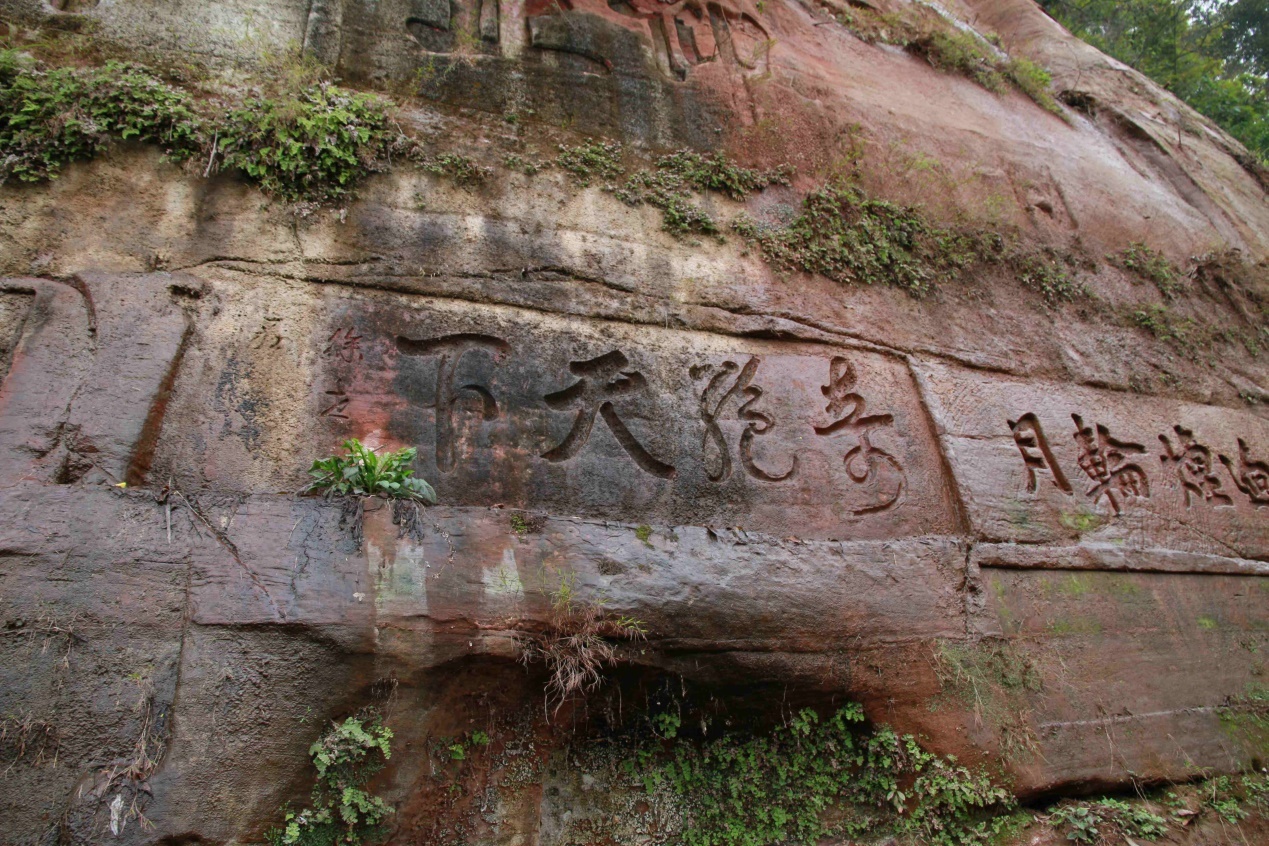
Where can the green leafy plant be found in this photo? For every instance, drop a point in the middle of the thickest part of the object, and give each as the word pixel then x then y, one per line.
pixel 1152 266
pixel 812 777
pixel 1048 273
pixel 49 118
pixel 312 145
pixel 364 472
pixel 850 237
pixel 1164 324
pixel 341 812
pixel 1105 821
pixel 592 160
pixel 669 186
pixel 461 169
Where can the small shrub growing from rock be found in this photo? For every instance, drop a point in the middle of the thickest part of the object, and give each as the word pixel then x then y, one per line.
pixel 592 160
pixel 364 472
pixel 314 145
pixel 341 812
pixel 850 237
pixel 669 186
pixel 1151 266
pixel 50 118
pixel 1105 821
pixel 815 777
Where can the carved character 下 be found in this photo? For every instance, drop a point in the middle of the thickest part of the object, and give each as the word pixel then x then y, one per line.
pixel 713 403
pixel 863 461
pixel 449 351
pixel 600 381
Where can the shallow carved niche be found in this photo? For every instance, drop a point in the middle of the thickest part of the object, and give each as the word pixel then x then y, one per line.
pixel 14 308
pixel 455 26
pixel 688 33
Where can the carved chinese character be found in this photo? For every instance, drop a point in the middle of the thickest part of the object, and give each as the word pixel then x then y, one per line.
pixel 338 401
pixel 267 337
pixel 600 381
pixel 714 400
pixel 1195 468
pixel 1105 460
pixel 1252 477
pixel 344 344
pixel 863 461
pixel 449 351
pixel 1036 453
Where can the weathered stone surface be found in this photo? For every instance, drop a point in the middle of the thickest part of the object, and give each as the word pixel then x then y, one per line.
pixel 808 492
pixel 1038 462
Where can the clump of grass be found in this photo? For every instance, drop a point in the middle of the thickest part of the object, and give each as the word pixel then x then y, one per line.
pixel 579 641
pixel 960 52
pixel 1032 80
pixel 459 168
pixel 644 534
pixel 947 48
pixel 669 186
pixel 1048 273
pixel 849 237
pixel 313 145
pixel 52 117
pixel 1151 266
pixel 592 160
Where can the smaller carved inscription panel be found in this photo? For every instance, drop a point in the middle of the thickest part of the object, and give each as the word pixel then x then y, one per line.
pixel 1043 462
pixel 635 424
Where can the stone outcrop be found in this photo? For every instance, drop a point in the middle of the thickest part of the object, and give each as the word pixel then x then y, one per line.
pixel 804 489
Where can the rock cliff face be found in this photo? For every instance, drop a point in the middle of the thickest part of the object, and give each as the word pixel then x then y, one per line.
pixel 1034 534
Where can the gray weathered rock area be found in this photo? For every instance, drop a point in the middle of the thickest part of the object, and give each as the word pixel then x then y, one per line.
pixel 808 491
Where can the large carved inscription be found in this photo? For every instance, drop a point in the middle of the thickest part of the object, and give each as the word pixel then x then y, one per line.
pixel 635 424
pixel 1043 462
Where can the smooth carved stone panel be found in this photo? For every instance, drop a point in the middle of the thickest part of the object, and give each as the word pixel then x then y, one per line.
pixel 634 424
pixel 1045 462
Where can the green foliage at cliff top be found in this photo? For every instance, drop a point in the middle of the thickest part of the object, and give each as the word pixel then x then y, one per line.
pixel 49 118
pixel 312 142
pixel 1213 55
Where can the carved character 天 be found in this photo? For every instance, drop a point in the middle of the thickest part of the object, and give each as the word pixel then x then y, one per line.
pixel 600 381
pixel 863 462
pixel 1036 453
pixel 1194 468
pixel 1104 459
pixel 722 387
pixel 449 351
pixel 1252 477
